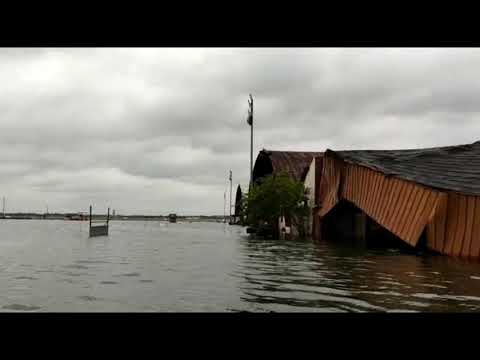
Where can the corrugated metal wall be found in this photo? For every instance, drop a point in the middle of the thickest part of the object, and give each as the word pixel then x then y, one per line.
pixel 329 184
pixel 402 207
pixel 455 228
pixel 451 220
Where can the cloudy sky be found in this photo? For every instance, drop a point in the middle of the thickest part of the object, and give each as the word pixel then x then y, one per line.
pixel 155 131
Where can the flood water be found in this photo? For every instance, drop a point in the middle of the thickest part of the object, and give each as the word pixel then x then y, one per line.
pixel 185 267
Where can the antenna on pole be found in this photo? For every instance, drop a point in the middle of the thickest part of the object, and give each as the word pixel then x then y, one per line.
pixel 230 178
pixel 250 122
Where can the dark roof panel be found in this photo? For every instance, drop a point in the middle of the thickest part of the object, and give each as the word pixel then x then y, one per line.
pixel 454 168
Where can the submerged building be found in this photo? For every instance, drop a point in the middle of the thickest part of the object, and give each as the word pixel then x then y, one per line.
pixel 428 196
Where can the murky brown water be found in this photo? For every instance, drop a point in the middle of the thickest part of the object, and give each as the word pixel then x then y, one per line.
pixel 152 266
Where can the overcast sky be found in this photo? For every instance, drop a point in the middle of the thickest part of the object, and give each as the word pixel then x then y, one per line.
pixel 155 131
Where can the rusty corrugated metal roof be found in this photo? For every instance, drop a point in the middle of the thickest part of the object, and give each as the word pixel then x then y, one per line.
pixel 453 168
pixel 293 163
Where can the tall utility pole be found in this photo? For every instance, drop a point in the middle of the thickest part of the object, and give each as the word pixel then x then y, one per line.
pixel 3 201
pixel 250 122
pixel 230 178
pixel 224 204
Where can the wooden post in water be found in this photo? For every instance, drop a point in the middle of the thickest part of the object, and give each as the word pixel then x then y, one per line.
pixel 108 216
pixel 90 217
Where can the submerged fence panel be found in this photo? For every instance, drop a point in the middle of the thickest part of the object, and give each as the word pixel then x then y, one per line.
pixel 102 228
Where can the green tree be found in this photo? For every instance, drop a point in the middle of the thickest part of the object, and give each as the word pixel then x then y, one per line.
pixel 274 196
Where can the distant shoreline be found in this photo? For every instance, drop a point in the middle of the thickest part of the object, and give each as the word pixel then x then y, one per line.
pixel 65 217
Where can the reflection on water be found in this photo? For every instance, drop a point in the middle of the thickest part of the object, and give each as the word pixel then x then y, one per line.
pixel 152 266
pixel 323 277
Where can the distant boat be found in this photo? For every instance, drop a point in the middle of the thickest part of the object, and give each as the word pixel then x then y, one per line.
pixel 172 218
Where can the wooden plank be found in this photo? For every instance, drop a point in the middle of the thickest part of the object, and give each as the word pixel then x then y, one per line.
pixel 329 188
pixel 375 194
pixel 346 182
pixel 452 219
pixel 402 203
pixel 429 211
pixel 356 187
pixel 441 222
pixel 369 191
pixel 475 245
pixel 468 226
pixel 438 198
pixel 398 206
pixel 415 228
pixel 407 219
pixel 336 182
pixel 460 226
pixel 360 187
pixel 390 217
pixel 387 198
pixel 338 175
pixel 352 182
pixel 432 225
pixel 420 223
pixel 379 199
pixel 364 190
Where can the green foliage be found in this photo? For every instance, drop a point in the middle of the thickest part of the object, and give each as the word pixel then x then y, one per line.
pixel 273 197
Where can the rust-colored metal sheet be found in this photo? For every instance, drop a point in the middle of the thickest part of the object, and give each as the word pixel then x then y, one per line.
pixel 328 187
pixel 468 226
pixel 426 206
pixel 412 196
pixel 440 223
pixel 409 191
pixel 437 225
pixel 452 220
pixel 456 226
pixel 402 207
pixel 460 228
pixel 401 215
pixel 292 163
pixel 475 245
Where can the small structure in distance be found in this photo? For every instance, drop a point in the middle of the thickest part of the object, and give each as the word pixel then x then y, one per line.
pixel 172 218
pixel 99 230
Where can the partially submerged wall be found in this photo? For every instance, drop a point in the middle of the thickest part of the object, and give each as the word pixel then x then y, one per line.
pixel 405 208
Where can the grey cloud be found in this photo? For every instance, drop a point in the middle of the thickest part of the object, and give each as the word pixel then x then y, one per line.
pixel 156 130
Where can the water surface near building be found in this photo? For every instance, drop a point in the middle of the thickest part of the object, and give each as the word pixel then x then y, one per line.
pixel 213 267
